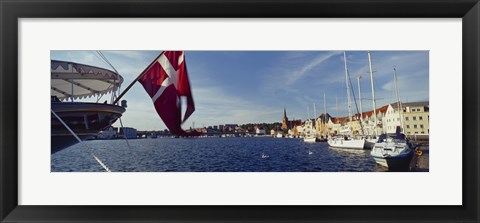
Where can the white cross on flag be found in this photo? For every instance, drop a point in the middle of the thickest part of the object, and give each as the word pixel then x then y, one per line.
pixel 166 80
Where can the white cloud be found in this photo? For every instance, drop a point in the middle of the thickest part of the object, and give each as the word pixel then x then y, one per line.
pixel 292 68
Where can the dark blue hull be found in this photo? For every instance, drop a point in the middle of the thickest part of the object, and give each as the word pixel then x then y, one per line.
pixel 395 163
pixel 86 120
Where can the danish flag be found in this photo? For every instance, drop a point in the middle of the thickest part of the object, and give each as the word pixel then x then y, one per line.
pixel 166 80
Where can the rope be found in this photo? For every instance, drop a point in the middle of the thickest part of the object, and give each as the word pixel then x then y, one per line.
pixel 79 140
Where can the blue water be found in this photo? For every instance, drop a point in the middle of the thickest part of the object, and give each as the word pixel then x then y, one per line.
pixel 211 155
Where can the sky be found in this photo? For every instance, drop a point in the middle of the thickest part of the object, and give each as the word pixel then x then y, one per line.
pixel 239 87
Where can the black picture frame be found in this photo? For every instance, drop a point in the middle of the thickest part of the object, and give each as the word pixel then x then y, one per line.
pixel 11 11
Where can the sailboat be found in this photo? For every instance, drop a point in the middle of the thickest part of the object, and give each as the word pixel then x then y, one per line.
pixel 324 133
pixel 394 151
pixel 309 129
pixel 71 121
pixel 345 139
pixel 310 135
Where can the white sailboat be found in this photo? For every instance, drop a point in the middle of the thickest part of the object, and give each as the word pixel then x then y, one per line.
pixel 345 140
pixel 309 129
pixel 394 151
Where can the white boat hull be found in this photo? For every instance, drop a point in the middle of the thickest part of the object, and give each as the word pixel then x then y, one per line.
pixel 347 144
pixel 394 155
pixel 310 139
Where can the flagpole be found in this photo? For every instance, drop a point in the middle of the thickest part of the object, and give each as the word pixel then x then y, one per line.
pixel 136 79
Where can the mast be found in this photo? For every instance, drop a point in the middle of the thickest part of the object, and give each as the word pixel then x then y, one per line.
pixel 336 105
pixel 373 92
pixel 314 116
pixel 348 86
pixel 308 113
pixel 324 107
pixel 399 103
pixel 360 97
pixel 324 113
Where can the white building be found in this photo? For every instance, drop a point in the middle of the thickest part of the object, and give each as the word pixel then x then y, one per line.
pixel 129 133
pixel 259 131
pixel 414 116
pixel 109 133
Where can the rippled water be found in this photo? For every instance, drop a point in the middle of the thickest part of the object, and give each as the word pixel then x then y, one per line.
pixel 212 155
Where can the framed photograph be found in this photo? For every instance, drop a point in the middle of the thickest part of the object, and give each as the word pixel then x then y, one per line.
pixel 239 111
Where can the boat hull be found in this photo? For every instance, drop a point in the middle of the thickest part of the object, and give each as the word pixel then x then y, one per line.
pixel 369 144
pixel 310 140
pixel 86 120
pixel 395 163
pixel 347 144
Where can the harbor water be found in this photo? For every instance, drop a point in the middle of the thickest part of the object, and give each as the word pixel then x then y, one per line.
pixel 236 154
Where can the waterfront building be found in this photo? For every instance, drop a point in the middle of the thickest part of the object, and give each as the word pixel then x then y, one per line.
pixel 259 131
pixel 415 118
pixel 321 124
pixel 368 121
pixel 230 127
pixel 128 132
pixel 108 133
pixel 334 124
pixel 289 124
pixel 299 130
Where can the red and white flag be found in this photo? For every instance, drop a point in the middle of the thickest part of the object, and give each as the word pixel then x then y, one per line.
pixel 166 80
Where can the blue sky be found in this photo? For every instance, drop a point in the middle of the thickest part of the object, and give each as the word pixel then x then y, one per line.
pixel 254 86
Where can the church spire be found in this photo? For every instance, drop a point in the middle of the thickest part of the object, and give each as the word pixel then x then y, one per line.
pixel 285 119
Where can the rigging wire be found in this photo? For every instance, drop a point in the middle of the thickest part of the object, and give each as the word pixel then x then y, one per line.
pixel 114 95
pixel 129 147
pixel 103 165
pixel 104 58
pixel 355 100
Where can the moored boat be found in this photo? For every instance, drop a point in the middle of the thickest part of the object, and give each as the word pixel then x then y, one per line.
pixel 346 142
pixel 393 151
pixel 310 139
pixel 71 81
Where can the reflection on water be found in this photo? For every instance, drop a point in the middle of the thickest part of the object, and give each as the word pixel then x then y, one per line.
pixel 261 154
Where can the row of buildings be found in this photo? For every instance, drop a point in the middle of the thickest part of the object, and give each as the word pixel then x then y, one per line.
pixel 114 132
pixel 413 119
